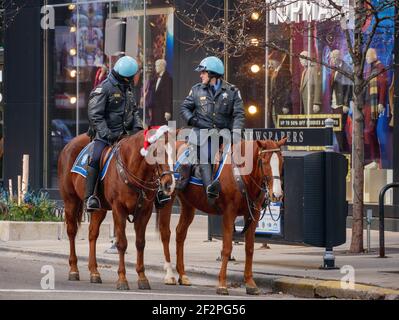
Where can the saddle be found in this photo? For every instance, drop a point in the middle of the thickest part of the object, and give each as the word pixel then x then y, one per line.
pixel 82 160
pixel 187 172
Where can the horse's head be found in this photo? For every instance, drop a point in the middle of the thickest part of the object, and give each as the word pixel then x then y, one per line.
pixel 160 155
pixel 269 165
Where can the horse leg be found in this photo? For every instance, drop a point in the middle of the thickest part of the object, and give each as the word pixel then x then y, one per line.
pixel 97 218
pixel 140 226
pixel 121 244
pixel 250 284
pixel 164 229
pixel 226 251
pixel 73 209
pixel 186 217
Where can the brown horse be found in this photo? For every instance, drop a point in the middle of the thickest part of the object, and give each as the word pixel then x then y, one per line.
pixel 128 188
pixel 266 171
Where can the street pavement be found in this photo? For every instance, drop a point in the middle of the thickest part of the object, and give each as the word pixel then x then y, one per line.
pixel 288 269
pixel 25 276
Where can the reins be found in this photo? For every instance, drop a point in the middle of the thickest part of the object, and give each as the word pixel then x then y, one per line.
pixel 136 184
pixel 263 187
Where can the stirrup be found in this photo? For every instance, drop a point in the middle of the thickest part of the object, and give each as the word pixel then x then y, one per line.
pixel 211 194
pixel 91 209
pixel 161 199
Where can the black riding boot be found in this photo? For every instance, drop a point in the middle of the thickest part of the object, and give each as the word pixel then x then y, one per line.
pixel 92 201
pixel 212 188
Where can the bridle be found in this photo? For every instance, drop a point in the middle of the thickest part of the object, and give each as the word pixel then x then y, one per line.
pixel 133 182
pixel 264 192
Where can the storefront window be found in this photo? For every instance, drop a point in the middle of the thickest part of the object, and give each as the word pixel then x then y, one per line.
pixel 78 60
pixel 300 92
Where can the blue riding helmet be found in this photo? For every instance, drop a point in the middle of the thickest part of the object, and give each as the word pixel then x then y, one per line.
pixel 211 64
pixel 126 67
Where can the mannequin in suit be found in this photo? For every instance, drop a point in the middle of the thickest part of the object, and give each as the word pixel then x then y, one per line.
pixel 310 87
pixel 280 87
pixel 160 94
pixel 375 99
pixel 341 95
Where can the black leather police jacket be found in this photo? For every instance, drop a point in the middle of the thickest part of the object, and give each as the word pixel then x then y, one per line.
pixel 112 109
pixel 224 110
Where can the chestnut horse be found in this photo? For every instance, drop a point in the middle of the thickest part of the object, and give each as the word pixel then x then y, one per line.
pixel 232 202
pixel 129 187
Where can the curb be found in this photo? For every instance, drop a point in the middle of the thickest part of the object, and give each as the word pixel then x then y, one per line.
pixel 298 287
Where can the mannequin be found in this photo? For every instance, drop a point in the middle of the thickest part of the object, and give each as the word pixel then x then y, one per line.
pixel 310 88
pixel 160 94
pixel 341 95
pixel 280 86
pixel 374 105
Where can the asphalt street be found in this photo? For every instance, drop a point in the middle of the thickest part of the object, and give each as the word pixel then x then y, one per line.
pixel 26 277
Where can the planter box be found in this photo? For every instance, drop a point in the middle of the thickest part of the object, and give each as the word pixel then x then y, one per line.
pixel 16 230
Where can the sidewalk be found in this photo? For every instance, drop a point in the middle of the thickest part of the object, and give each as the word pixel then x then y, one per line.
pixel 289 269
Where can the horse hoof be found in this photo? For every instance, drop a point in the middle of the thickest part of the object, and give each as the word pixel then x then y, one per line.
pixel 144 284
pixel 253 291
pixel 95 278
pixel 122 286
pixel 170 281
pixel 222 291
pixel 73 276
pixel 184 281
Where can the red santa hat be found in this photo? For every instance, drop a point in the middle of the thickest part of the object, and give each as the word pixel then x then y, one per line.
pixel 150 137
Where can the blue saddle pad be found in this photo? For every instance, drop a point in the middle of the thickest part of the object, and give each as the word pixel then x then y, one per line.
pixel 80 164
pixel 194 180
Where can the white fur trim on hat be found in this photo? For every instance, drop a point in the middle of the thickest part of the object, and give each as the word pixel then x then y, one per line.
pixel 159 133
pixel 143 152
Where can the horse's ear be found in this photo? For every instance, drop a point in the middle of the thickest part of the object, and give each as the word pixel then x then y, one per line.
pixel 282 142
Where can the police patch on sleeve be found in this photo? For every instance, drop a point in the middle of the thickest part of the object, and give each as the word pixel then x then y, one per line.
pixel 98 90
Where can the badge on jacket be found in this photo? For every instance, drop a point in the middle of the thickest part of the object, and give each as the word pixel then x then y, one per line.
pixel 98 90
pixel 224 95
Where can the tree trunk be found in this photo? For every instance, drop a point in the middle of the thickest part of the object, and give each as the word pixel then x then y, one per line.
pixel 358 171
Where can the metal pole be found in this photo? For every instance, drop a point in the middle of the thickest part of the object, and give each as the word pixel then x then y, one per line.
pixel 329 125
pixel 144 59
pixel 381 216
pixel 77 69
pixel 266 65
pixel 369 218
pixel 226 55
pixel 329 258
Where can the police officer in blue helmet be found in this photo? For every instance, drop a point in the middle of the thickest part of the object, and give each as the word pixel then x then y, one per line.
pixel 112 113
pixel 213 104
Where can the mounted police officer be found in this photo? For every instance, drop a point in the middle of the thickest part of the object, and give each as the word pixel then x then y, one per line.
pixel 213 104
pixel 112 112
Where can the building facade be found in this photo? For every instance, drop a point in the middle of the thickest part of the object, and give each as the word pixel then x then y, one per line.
pixel 57 51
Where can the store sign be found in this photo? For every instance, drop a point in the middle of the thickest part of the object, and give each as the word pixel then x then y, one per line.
pixel 308 121
pixel 270 222
pixel 295 137
pixel 305 10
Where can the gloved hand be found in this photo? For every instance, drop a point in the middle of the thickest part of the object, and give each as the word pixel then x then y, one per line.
pixel 345 109
pixel 381 108
pixel 112 137
pixel 193 121
pixel 286 110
